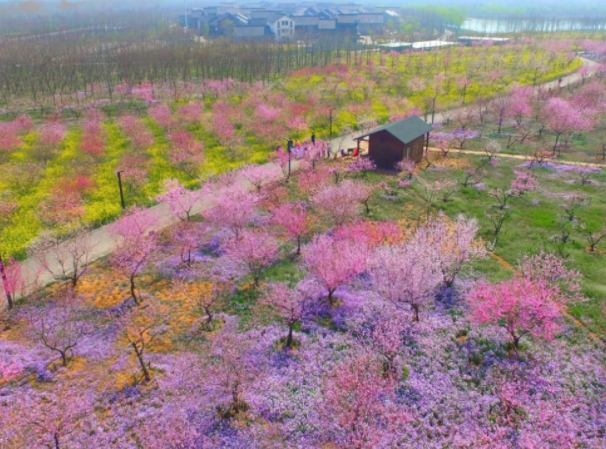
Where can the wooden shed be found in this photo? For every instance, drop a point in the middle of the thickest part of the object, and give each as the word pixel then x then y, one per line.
pixel 396 141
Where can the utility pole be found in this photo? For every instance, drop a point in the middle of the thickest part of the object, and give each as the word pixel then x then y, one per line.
pixel 121 192
pixel 289 147
pixel 330 126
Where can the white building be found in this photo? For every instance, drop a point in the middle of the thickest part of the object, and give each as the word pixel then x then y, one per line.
pixel 282 26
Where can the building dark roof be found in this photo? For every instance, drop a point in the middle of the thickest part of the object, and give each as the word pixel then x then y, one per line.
pixel 405 130
pixel 274 18
pixel 257 22
pixel 249 31
pixel 326 24
pixel 305 20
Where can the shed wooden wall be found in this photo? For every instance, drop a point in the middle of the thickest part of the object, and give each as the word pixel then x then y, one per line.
pixel 417 148
pixel 386 151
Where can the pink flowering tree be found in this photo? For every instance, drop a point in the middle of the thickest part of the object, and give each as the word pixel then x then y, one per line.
pixel 162 115
pixel 63 208
pixel 453 243
pixel 339 203
pixel 185 152
pixel 136 131
pixel 462 83
pixel 585 174
pixel 92 140
pixel 551 269
pixel 187 235
pixel 370 233
pixel 12 282
pixel 231 377
pixel 136 243
pixel 385 339
pixel 502 196
pixel 406 274
pixel 254 249
pixel 311 181
pixel 523 182
pixel 334 262
pixel 233 207
pixel 572 203
pixel 563 118
pixel 361 165
pixel 283 160
pixel 54 418
pixel 190 113
pixel 359 405
pixel 520 107
pixel 51 133
pixel 294 219
pixel 207 301
pixel 315 152
pixel 259 175
pixel 224 127
pixel 180 200
pixel 522 306
pixel 290 304
pixel 9 136
pixel 407 166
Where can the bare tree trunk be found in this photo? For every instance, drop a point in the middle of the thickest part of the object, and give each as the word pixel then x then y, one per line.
pixel 415 310
pixel 139 354
pixel 288 343
pixel 330 296
pixel 133 291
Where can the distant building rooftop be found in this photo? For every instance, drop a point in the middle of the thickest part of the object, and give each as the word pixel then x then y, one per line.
pixel 484 39
pixel 396 45
pixel 405 130
pixel 431 44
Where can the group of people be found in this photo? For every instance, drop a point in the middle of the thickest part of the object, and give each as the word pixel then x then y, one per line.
pixel 298 149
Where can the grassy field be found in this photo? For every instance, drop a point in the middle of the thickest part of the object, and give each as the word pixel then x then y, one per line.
pixel 535 220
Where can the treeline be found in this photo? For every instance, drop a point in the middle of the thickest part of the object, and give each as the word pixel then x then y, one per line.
pixel 52 69
pixel 428 21
pixel 31 18
pixel 538 24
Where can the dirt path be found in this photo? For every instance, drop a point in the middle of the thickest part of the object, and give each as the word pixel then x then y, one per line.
pixel 521 157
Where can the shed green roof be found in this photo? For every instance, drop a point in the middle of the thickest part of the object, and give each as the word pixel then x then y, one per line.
pixel 405 130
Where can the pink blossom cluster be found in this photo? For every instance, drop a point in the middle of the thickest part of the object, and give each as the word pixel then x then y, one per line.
pixel 136 131
pixel 10 132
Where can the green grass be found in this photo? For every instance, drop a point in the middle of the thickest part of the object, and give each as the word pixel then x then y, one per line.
pixel 535 219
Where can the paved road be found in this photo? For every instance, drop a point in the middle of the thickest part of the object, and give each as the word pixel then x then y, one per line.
pixel 35 277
